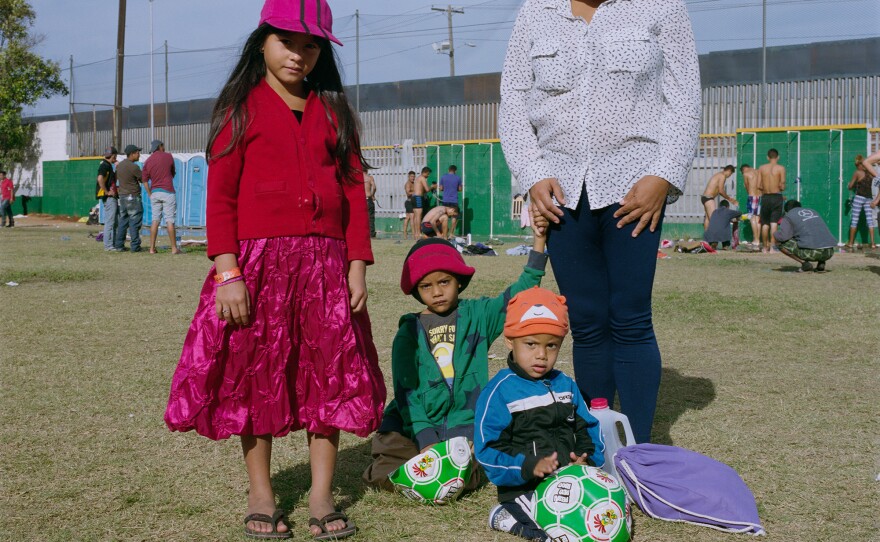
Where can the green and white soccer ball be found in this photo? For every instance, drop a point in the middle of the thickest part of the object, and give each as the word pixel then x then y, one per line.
pixel 438 475
pixel 581 503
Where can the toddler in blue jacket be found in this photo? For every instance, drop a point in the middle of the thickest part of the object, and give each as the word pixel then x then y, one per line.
pixel 531 419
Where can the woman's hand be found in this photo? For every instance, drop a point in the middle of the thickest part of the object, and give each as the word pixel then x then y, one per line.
pixel 233 303
pixel 541 199
pixel 644 202
pixel 357 285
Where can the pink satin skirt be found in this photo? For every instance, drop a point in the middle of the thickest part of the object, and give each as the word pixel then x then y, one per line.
pixel 304 362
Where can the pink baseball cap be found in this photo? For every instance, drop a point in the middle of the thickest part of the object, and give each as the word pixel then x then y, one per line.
pixel 303 16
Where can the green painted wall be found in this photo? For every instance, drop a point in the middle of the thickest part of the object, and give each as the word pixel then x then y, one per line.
pixel 35 205
pixel 69 187
pixel 488 193
pixel 820 178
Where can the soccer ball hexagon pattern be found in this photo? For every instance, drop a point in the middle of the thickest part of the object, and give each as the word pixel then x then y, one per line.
pixel 581 503
pixel 438 475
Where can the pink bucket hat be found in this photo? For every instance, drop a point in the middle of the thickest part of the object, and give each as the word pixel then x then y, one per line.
pixel 303 16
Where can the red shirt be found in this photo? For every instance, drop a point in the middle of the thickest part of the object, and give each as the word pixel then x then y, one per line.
pixel 7 190
pixel 159 170
pixel 283 180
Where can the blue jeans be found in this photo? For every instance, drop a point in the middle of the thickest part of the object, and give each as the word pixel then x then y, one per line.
pixel 607 277
pixel 6 212
pixel 131 213
pixel 111 212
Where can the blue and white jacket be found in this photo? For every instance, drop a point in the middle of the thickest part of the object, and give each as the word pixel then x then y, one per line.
pixel 520 420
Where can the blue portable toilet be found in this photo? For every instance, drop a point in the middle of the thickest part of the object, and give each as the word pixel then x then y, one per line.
pixel 196 191
pixel 179 183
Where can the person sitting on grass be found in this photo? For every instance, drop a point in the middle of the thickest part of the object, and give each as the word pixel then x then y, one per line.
pixel 804 237
pixel 435 220
pixel 439 358
pixel 532 418
pixel 719 230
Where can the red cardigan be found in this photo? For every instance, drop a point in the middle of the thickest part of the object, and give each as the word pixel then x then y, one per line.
pixel 283 180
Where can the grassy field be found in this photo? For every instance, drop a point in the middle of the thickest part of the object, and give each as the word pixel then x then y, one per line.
pixel 772 372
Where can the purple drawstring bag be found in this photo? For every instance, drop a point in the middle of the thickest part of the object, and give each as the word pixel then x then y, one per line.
pixel 674 484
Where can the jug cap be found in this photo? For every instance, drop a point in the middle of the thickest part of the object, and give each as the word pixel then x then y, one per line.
pixel 598 403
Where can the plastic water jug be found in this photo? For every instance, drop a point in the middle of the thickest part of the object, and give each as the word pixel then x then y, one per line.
pixel 608 420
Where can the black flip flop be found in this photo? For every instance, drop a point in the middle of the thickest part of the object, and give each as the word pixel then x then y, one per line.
pixel 276 517
pixel 345 532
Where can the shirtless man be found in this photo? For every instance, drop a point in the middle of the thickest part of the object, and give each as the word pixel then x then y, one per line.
pixel 436 220
pixel 408 222
pixel 871 164
pixel 419 191
pixel 714 187
pixel 771 183
pixel 370 188
pixel 753 207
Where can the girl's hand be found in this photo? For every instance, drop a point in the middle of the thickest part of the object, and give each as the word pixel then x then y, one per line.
pixel 233 303
pixel 546 466
pixel 357 285
pixel 541 197
pixel 644 202
pixel 575 460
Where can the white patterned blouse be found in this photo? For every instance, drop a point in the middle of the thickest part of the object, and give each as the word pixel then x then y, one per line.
pixel 603 103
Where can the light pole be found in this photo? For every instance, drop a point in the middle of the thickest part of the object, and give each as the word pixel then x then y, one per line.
pixel 764 64
pixel 152 103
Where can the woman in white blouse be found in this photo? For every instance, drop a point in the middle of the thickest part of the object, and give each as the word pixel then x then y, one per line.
pixel 599 121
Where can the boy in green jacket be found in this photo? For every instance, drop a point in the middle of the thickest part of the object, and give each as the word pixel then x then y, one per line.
pixel 439 359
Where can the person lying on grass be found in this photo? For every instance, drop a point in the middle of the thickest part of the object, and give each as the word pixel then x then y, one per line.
pixel 439 358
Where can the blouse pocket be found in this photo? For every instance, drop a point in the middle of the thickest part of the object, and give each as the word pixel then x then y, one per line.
pixel 553 74
pixel 630 50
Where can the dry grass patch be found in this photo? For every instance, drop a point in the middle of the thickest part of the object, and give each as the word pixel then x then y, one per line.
pixel 773 372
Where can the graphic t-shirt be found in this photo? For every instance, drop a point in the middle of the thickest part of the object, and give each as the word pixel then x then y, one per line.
pixel 441 341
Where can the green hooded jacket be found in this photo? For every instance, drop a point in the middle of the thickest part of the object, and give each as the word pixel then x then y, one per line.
pixel 424 408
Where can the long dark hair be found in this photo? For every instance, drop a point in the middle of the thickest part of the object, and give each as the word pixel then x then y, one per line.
pixel 324 80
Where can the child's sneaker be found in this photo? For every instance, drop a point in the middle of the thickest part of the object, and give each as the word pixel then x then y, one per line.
pixel 820 267
pixel 500 519
pixel 806 267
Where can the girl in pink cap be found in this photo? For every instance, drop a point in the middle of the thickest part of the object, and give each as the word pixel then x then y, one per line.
pixel 281 339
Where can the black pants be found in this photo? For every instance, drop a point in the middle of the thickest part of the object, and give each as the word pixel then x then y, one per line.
pixel 371 212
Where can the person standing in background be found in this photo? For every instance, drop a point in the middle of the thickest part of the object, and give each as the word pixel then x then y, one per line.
pixel 771 182
pixel 450 186
pixel 753 206
pixel 408 222
pixel 7 198
pixel 159 175
pixel 131 206
pixel 106 193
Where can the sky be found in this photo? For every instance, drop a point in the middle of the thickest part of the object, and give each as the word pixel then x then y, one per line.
pixel 205 36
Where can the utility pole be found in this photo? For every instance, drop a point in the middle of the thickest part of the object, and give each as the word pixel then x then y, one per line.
pixel 120 64
pixel 357 54
pixel 166 96
pixel 449 12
